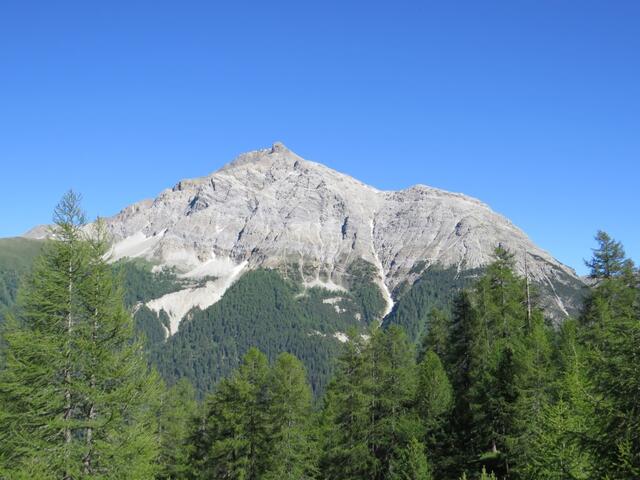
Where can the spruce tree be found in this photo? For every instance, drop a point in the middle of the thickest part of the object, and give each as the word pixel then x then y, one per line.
pixel 462 363
pixel 76 397
pixel 498 353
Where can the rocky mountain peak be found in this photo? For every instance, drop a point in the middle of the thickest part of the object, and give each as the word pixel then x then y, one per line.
pixel 278 147
pixel 277 154
pixel 270 208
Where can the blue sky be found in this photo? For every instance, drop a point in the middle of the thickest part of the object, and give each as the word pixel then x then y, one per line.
pixel 531 106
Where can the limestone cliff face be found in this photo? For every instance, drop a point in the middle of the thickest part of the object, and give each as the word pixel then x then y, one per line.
pixel 271 208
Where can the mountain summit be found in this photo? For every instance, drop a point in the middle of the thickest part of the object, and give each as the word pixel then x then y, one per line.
pixel 270 208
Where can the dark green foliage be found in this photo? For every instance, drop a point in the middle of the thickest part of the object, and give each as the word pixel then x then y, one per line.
pixel 437 336
pixel 369 407
pixel 435 289
pixel 433 404
pixel 141 284
pixel 177 406
pixel 611 327
pixel 16 259
pixel 493 388
pixel 392 362
pixel 498 356
pixel 234 433
pixel 150 324
pixel 257 423
pixel 434 395
pixel 554 447
pixel 339 311
pixel 608 259
pixel 365 291
pixel 263 310
pixel 346 452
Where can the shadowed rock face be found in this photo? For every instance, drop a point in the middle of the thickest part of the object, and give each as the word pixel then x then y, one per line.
pixel 271 208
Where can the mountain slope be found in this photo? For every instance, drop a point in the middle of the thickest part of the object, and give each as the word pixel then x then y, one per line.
pixel 272 209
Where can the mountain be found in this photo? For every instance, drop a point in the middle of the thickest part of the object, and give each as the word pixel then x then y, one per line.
pixel 285 254
pixel 272 209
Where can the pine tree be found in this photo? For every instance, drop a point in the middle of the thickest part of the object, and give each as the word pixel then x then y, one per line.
pixel 292 454
pixel 534 384
pixel 410 463
pixel 177 410
pixel 76 396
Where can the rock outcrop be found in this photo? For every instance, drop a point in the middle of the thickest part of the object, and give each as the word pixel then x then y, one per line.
pixel 270 208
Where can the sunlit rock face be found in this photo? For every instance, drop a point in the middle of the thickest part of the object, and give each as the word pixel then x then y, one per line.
pixel 271 208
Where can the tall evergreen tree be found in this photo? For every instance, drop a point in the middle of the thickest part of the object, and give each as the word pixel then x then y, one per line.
pixel 433 404
pixel 437 336
pixel 392 359
pixel 292 453
pixel 499 349
pixel 233 440
pixel 608 258
pixel 347 413
pixel 410 463
pixel 76 396
pixel 462 362
pixel 177 410
pixel 611 328
pixel 555 444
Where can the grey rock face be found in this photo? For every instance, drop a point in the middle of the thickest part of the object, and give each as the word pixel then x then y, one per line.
pixel 270 208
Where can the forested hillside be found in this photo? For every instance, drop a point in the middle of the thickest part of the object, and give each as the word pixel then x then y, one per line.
pixel 16 258
pixel 275 315
pixel 492 390
pixel 483 387
pixel 268 309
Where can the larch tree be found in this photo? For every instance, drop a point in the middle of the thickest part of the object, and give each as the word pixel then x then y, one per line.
pixel 178 410
pixel 611 329
pixel 346 452
pixel 233 440
pixel 410 463
pixel 289 416
pixel 76 396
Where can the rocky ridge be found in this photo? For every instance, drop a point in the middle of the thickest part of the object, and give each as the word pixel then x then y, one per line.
pixel 271 208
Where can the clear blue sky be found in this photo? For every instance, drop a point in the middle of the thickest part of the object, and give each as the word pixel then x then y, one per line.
pixel 531 106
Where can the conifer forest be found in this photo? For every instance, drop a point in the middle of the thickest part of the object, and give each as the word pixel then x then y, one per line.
pixel 482 385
